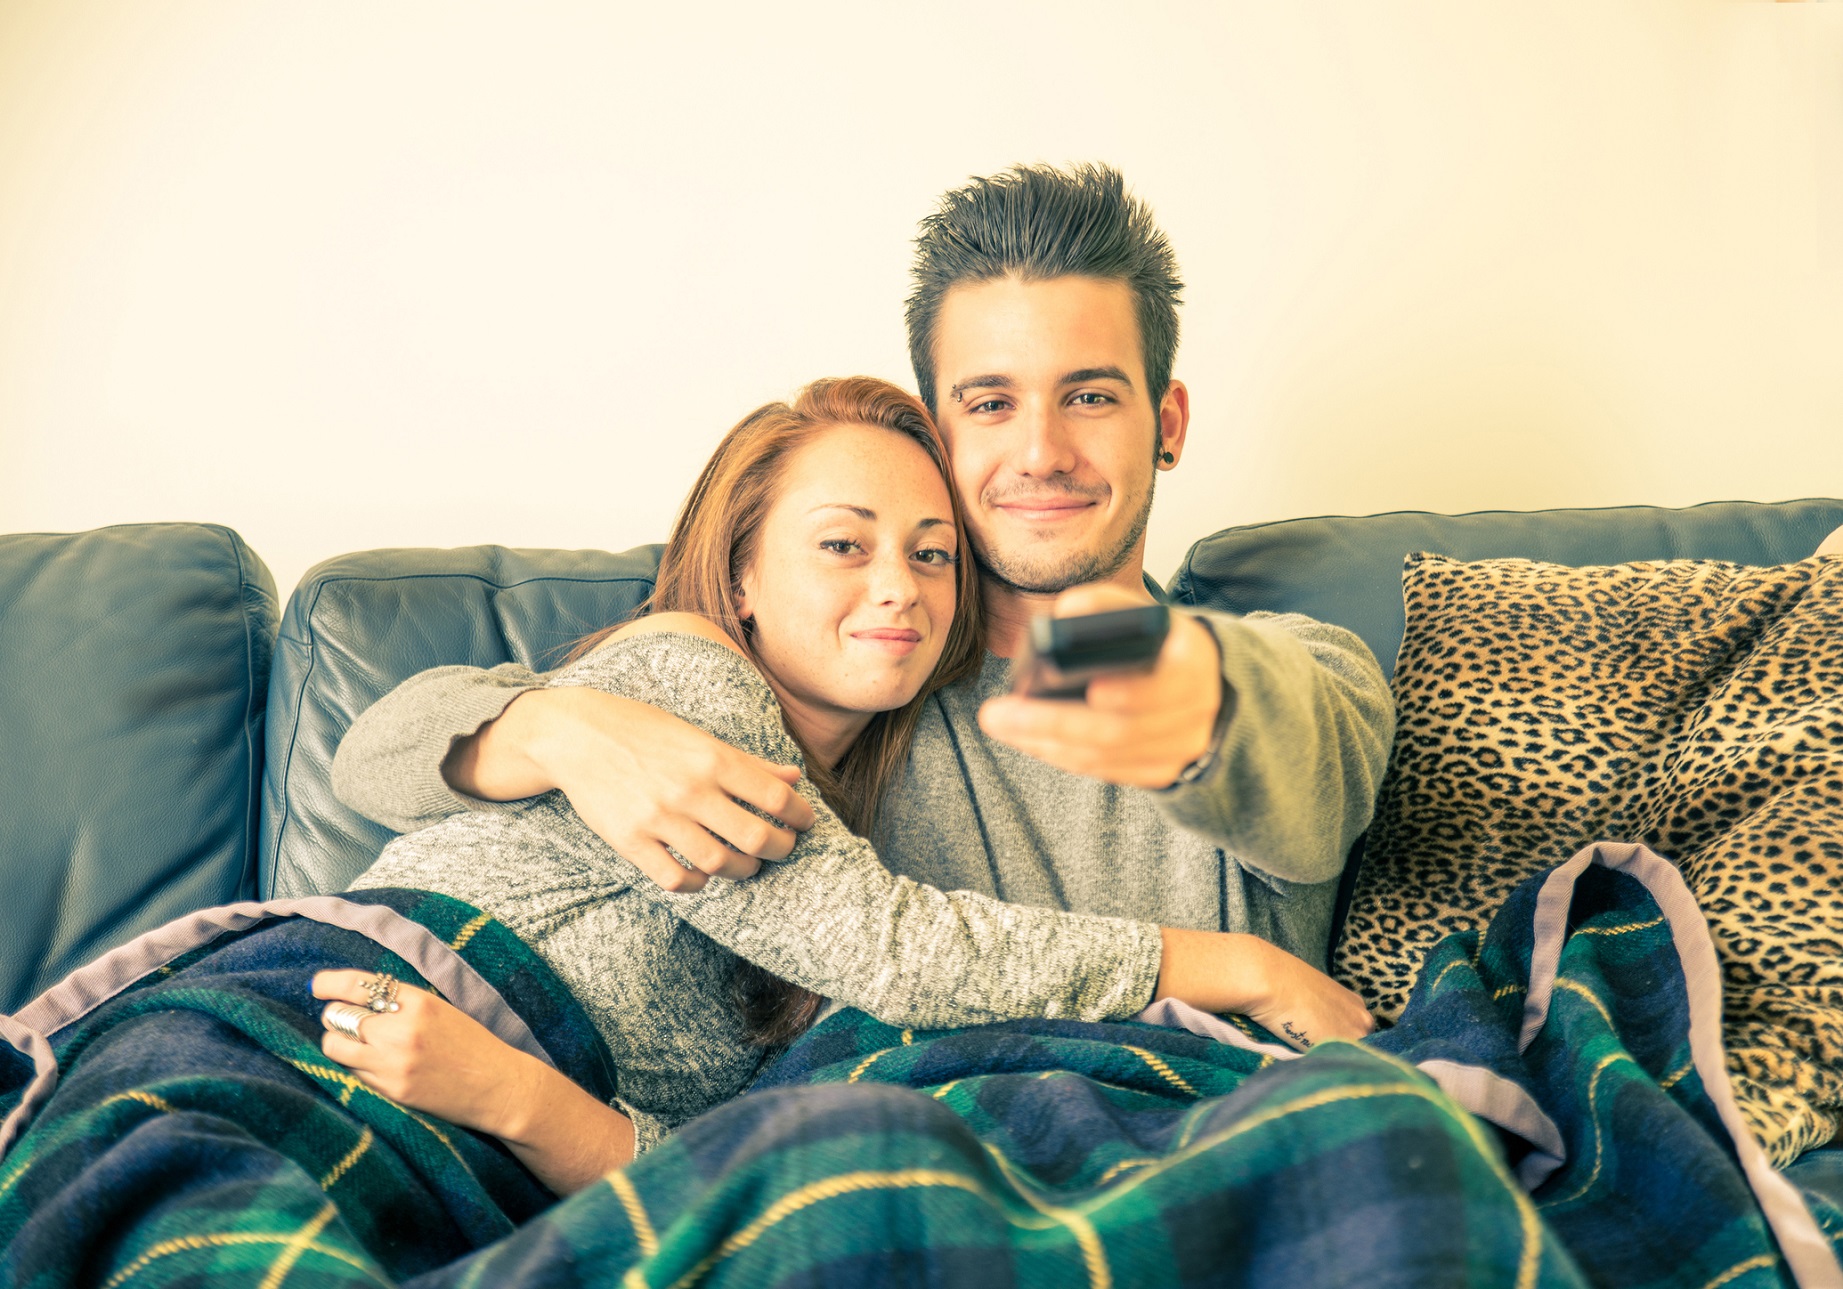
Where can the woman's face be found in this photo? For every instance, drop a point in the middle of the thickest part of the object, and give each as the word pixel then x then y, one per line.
pixel 852 589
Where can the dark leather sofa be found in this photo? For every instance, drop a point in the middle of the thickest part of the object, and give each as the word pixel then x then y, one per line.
pixel 166 733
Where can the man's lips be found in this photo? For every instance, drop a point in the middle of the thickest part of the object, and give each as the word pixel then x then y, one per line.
pixel 1044 509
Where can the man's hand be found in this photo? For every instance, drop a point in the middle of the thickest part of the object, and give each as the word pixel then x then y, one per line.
pixel 1140 730
pixel 641 778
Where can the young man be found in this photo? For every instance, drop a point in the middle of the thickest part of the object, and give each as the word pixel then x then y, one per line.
pixel 1219 791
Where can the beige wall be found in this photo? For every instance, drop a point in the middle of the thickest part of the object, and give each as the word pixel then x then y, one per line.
pixel 345 275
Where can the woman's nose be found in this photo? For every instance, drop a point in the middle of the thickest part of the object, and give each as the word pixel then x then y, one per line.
pixel 892 581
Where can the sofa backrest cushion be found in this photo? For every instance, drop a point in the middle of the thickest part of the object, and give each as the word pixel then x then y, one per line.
pixel 132 705
pixel 359 625
pixel 1348 570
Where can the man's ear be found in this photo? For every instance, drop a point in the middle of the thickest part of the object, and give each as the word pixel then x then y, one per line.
pixel 1173 425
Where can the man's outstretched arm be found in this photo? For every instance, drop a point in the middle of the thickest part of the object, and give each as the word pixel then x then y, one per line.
pixel 1268 734
pixel 462 738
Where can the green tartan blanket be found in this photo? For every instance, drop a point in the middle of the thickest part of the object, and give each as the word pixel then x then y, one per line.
pixel 1549 1112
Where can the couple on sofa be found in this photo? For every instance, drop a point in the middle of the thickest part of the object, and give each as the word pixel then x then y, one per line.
pixel 821 664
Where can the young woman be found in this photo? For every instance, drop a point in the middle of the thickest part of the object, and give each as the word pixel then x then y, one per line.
pixel 812 594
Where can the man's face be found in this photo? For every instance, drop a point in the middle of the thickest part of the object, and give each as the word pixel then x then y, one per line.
pixel 1041 396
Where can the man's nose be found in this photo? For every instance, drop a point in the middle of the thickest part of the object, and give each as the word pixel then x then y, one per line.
pixel 1044 446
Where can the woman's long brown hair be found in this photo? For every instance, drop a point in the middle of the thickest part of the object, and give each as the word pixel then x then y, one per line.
pixel 714 542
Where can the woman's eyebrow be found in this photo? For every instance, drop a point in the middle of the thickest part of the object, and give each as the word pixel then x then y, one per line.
pixel 864 512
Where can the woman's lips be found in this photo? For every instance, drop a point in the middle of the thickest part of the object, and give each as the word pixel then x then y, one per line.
pixel 896 640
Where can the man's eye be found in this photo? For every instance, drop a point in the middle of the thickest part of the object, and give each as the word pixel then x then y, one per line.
pixel 989 405
pixel 840 546
pixel 1092 398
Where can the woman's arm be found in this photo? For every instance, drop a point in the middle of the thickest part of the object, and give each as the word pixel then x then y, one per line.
pixel 835 920
pixel 1232 972
pixel 431 1056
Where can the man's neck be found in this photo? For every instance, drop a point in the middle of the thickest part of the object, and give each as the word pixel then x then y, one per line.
pixel 1008 611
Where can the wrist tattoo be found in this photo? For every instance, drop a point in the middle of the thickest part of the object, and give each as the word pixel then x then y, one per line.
pixel 1293 1032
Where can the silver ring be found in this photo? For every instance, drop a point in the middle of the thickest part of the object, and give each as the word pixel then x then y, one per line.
pixel 383 990
pixel 344 1018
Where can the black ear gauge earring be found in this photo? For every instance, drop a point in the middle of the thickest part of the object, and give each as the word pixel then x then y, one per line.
pixel 1166 457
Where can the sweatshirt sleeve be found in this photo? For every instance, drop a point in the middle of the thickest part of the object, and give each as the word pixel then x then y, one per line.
pixel 833 919
pixel 1293 781
pixel 389 764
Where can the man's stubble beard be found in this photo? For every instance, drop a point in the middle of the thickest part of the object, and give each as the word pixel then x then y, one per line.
pixel 1016 576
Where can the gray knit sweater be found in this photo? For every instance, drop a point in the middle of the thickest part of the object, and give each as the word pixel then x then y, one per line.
pixel 653 968
pixel 1254 844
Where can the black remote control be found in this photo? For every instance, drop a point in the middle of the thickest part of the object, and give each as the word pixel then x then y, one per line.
pixel 1061 655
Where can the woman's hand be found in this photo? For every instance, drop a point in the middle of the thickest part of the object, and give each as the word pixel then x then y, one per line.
pixel 1235 972
pixel 429 1055
pixel 1305 1006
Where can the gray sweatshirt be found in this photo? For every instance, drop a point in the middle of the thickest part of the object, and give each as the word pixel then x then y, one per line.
pixel 1255 843
pixel 653 969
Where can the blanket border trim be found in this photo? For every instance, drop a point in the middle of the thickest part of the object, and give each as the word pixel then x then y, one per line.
pixel 88 987
pixel 1801 1241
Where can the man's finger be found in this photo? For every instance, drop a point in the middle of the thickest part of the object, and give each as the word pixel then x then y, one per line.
pixel 1086 762
pixel 661 869
pixel 747 832
pixel 769 790
pixel 1094 598
pixel 1139 692
pixel 707 854
pixel 1012 719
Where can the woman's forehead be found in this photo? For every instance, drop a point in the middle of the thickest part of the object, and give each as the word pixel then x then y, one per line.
pixel 866 460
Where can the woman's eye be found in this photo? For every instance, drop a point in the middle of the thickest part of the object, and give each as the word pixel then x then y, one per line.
pixel 840 546
pixel 935 555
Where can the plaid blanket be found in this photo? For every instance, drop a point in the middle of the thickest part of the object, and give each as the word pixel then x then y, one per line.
pixel 1552 1110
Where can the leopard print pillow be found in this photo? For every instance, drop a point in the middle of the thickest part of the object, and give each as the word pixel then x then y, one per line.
pixel 1693 706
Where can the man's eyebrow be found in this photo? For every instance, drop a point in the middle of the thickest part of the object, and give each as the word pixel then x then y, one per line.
pixel 979 382
pixel 1086 374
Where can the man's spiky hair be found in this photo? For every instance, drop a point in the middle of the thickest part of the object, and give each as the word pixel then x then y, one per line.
pixel 1042 222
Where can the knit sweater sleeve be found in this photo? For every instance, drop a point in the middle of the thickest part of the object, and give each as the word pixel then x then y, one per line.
pixel 389 764
pixel 1293 780
pixel 833 919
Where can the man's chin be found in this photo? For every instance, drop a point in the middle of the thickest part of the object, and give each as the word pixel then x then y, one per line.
pixel 1046 577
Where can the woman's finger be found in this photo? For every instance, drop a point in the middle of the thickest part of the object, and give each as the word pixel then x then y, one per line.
pixel 343 984
pixel 355 1054
pixel 358 987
